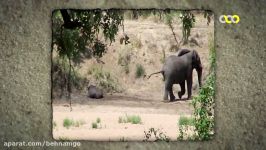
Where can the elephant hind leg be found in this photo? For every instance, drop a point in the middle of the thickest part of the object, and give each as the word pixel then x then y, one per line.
pixel 169 90
pixel 166 90
pixel 172 96
pixel 163 76
pixel 183 90
pixel 165 97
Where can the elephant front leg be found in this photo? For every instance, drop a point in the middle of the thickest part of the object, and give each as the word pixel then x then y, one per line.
pixel 189 86
pixel 183 90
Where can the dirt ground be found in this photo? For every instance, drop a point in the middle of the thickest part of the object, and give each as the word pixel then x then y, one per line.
pixel 154 113
pixel 140 97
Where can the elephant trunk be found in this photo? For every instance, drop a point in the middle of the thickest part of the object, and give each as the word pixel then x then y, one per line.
pixel 199 71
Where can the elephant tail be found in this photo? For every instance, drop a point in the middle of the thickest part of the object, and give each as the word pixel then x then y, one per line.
pixel 162 72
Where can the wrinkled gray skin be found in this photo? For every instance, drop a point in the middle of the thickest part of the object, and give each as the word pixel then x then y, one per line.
pixel 94 92
pixel 178 69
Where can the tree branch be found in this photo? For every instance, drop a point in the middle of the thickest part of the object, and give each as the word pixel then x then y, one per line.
pixel 68 23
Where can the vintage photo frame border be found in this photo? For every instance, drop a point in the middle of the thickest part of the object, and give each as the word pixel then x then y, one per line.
pixel 25 72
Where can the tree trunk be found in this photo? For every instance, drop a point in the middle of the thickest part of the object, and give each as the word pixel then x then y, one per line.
pixel 69 84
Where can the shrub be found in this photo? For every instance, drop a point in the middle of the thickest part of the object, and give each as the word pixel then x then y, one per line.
pixel 203 106
pixel 181 133
pixel 94 125
pixel 137 43
pixel 188 20
pixel 140 71
pixel 183 124
pixel 124 59
pixel 98 120
pixel 186 121
pixel 134 119
pixel 68 122
pixel 104 79
pixel 60 72
pixel 79 123
pixel 204 103
pixel 158 135
pixel 97 124
pixel 203 109
pixel 184 134
pixel 212 58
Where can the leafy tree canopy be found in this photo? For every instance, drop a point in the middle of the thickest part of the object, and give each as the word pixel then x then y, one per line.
pixel 74 30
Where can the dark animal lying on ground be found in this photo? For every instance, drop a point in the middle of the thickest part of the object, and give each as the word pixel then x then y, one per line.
pixel 94 92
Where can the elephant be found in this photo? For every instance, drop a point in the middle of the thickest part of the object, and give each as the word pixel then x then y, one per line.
pixel 182 52
pixel 94 92
pixel 179 68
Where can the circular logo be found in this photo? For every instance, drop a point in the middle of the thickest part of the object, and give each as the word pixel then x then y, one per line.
pixel 228 19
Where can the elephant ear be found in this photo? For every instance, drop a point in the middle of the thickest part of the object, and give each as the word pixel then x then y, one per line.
pixel 195 58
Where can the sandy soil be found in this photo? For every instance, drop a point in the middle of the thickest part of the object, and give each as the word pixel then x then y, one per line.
pixel 154 114
pixel 140 96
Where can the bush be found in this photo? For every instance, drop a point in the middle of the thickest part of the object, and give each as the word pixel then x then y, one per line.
pixel 124 59
pixel 79 123
pixel 188 20
pixel 60 72
pixel 98 120
pixel 134 119
pixel 137 43
pixel 157 133
pixel 68 122
pixel 212 58
pixel 140 71
pixel 94 125
pixel 104 79
pixel 204 103
pixel 97 124
pixel 186 121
